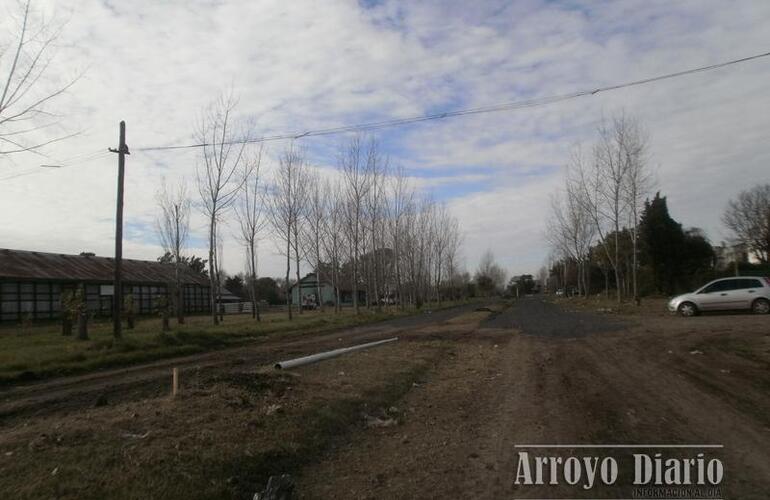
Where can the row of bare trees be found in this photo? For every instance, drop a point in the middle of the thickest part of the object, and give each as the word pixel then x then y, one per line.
pixel 601 202
pixel 363 227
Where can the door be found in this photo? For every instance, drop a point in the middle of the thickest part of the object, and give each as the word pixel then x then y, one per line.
pixel 749 290
pixel 731 294
pixel 714 296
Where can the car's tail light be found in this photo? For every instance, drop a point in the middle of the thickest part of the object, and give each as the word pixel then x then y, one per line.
pixel 767 280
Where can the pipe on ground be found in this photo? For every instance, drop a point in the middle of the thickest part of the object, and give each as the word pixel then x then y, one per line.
pixel 314 358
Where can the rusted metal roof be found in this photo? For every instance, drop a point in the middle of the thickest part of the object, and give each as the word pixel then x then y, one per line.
pixel 26 265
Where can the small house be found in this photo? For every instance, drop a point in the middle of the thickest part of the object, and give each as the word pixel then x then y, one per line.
pixel 307 292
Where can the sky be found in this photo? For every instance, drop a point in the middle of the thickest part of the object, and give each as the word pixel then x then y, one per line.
pixel 305 64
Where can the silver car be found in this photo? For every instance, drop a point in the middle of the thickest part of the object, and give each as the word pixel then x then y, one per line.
pixel 741 292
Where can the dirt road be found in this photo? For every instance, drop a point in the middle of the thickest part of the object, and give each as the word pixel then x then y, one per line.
pixel 152 379
pixel 569 378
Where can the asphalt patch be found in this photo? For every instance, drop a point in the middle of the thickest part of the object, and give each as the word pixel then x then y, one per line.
pixel 536 317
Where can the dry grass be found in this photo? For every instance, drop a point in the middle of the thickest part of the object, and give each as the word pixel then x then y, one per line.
pixel 221 439
pixel 649 306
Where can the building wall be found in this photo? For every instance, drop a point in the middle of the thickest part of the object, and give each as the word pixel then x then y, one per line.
pixel 327 292
pixel 42 299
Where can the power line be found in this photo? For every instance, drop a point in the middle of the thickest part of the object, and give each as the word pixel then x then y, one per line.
pixel 509 106
pixel 82 159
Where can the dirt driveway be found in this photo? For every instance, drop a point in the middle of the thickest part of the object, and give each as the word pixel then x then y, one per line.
pixel 558 377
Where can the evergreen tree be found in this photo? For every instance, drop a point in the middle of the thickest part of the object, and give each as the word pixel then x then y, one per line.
pixel 675 257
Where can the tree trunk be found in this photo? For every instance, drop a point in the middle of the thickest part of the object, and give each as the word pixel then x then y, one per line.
pixel 212 274
pixel 177 264
pixel 66 324
pixel 375 281
pixel 288 272
pixel 617 266
pixel 355 278
pixel 166 322
pixel 180 305
pixel 296 261
pixel 635 264
pixel 337 293
pixel 83 322
pixel 318 285
pixel 253 284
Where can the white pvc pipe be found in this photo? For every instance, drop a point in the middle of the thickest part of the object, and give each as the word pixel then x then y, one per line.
pixel 314 358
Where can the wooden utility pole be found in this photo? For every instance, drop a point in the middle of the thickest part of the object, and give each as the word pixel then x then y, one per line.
pixel 117 292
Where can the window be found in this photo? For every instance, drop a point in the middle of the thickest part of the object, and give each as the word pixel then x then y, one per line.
pixel 92 298
pixel 718 286
pixel 736 284
pixel 9 301
pixel 146 301
pixel 8 307
pixel 749 283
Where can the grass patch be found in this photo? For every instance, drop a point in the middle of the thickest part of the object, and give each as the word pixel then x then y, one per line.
pixel 649 306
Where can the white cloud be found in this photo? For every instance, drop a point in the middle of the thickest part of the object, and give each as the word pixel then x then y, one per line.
pixel 304 64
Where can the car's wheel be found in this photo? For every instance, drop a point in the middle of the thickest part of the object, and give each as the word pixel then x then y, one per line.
pixel 760 306
pixel 687 309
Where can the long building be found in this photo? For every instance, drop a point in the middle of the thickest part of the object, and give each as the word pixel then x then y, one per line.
pixel 31 284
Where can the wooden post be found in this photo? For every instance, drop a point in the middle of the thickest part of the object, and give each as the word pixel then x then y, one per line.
pixel 174 381
pixel 117 293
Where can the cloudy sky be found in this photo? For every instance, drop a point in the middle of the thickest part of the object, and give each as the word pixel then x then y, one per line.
pixel 302 64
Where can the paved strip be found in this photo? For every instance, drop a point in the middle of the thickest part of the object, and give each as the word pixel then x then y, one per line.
pixel 534 316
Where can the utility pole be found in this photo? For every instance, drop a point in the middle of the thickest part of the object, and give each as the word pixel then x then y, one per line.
pixel 117 292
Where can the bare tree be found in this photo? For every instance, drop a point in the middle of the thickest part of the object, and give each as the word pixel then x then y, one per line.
pixel 287 202
pixel 333 241
pixel 352 164
pixel 421 250
pixel 453 241
pixel 315 215
pixel 490 277
pixel 251 221
pixel 571 230
pixel 220 174
pixel 400 200
pixel 748 217
pixel 603 184
pixel 638 184
pixel 297 227
pixel 25 61
pixel 173 228
pixel 376 171
pixel 445 231
pixel 542 277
